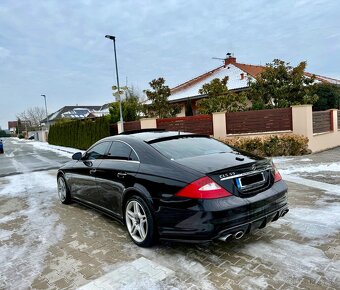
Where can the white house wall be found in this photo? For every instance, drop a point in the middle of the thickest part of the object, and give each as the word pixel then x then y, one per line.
pixel 234 82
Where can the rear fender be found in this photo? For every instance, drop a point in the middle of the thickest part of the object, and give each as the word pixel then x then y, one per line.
pixel 141 191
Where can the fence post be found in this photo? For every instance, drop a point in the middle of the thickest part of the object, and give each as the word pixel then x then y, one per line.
pixel 219 125
pixel 335 120
pixel 302 119
pixel 119 127
pixel 148 123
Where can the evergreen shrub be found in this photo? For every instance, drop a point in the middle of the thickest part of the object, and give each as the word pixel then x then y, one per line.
pixel 79 134
pixel 271 145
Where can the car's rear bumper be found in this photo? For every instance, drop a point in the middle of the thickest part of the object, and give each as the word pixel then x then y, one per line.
pixel 204 220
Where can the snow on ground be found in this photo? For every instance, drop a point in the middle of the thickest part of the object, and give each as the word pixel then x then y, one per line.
pixel 292 260
pixel 38 228
pixel 315 223
pixel 63 151
pixel 190 268
pixel 33 222
pixel 313 168
pixel 330 188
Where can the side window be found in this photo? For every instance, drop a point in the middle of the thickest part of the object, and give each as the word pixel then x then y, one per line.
pixel 121 151
pixel 98 151
pixel 133 156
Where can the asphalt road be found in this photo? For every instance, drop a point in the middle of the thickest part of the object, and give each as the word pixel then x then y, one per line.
pixel 20 157
pixel 47 245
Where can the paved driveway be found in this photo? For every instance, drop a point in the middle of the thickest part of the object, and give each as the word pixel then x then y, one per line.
pixel 46 245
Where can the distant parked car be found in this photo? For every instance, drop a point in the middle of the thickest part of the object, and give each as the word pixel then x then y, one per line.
pixel 31 137
pixel 175 186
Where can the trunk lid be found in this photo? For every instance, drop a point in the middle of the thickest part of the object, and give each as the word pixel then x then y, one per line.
pixel 240 174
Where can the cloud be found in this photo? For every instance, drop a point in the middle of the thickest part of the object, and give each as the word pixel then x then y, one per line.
pixel 4 53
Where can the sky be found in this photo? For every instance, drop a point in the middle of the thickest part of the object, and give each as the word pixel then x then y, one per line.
pixel 58 48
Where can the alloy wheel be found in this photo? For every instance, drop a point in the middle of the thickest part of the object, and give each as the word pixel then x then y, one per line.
pixel 62 189
pixel 136 221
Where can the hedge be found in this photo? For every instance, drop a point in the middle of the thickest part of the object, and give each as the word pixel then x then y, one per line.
pixel 79 134
pixel 271 145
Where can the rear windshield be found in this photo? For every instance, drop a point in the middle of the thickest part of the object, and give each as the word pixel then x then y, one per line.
pixel 190 147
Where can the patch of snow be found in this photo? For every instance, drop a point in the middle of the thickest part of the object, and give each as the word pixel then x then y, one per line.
pixel 63 151
pixel 251 283
pixel 36 226
pixel 312 183
pixel 139 274
pixel 305 160
pixel 281 159
pixel 5 234
pixel 291 260
pixel 179 263
pixel 333 167
pixel 10 154
pixel 315 223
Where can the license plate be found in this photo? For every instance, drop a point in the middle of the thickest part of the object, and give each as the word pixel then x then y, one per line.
pixel 250 180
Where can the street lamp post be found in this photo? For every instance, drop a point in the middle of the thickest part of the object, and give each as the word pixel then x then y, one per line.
pixel 46 110
pixel 113 38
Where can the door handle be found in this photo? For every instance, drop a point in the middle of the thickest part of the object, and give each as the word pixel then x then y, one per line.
pixel 121 174
pixel 92 171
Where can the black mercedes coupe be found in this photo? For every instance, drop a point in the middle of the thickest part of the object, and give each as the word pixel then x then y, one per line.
pixel 175 186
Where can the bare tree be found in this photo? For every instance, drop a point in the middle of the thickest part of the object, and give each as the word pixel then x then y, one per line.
pixel 32 117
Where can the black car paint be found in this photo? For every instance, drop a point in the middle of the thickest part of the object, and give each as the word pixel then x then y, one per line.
pixel 211 218
pixel 158 179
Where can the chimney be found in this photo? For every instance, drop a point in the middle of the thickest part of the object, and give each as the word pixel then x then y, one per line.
pixel 229 60
pixel 242 76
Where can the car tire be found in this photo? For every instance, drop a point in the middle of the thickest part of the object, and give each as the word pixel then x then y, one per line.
pixel 63 190
pixel 140 222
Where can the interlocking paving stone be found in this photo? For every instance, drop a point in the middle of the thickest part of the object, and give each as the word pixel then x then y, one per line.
pixel 141 269
pixel 92 245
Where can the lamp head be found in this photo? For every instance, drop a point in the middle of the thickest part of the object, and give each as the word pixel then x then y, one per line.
pixel 110 37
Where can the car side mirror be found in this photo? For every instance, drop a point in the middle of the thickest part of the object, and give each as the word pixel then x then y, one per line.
pixel 77 156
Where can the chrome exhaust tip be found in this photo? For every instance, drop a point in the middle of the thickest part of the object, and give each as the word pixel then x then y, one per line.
pixel 225 238
pixel 238 235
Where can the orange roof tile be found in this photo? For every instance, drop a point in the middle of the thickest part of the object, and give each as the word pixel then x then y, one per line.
pixel 252 70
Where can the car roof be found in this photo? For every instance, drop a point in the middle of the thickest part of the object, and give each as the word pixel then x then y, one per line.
pixel 151 135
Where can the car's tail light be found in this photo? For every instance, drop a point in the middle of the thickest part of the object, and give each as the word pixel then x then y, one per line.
pixel 277 175
pixel 204 188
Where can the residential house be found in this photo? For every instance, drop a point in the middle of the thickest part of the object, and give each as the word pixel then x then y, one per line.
pixel 77 112
pixel 239 75
pixel 12 126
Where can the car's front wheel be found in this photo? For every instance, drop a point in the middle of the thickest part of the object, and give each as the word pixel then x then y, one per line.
pixel 63 191
pixel 139 222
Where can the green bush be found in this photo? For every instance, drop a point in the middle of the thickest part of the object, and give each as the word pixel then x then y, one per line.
pixel 79 134
pixel 4 134
pixel 21 136
pixel 271 145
